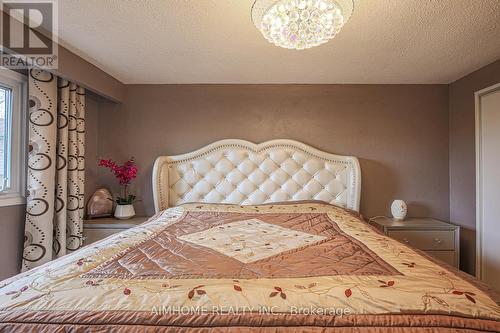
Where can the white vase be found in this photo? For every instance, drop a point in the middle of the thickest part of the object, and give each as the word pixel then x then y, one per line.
pixel 123 212
pixel 399 210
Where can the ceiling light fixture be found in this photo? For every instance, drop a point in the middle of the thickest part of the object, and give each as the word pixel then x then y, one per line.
pixel 300 24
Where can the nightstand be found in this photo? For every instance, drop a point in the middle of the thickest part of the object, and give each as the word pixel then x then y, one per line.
pixel 437 238
pixel 97 229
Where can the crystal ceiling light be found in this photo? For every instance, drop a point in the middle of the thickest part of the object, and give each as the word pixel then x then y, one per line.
pixel 300 24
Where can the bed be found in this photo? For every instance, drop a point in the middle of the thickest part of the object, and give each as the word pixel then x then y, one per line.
pixel 249 238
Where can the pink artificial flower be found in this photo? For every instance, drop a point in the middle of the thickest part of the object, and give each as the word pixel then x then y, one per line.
pixel 124 173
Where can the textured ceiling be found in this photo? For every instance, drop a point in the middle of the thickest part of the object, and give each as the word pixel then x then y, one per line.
pixel 214 41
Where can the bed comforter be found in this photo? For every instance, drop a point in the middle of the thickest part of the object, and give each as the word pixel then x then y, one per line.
pixel 292 267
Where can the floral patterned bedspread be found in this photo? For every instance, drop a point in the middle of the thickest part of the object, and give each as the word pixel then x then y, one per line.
pixel 220 268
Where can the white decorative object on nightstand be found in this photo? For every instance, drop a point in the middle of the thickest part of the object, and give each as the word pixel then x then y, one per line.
pixel 399 210
pixel 437 238
pixel 97 229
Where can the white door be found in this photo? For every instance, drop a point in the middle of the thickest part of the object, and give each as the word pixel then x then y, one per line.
pixel 488 185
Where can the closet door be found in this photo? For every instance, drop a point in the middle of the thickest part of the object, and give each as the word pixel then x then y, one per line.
pixel 488 185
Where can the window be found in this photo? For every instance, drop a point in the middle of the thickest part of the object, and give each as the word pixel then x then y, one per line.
pixel 12 137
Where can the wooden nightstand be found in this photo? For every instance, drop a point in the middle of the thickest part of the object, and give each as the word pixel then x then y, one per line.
pixel 437 238
pixel 97 229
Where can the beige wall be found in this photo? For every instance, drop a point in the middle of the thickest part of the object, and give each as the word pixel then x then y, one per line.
pixel 399 132
pixel 11 239
pixel 462 156
pixel 93 106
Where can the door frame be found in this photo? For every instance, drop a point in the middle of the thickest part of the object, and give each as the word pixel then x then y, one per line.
pixel 479 174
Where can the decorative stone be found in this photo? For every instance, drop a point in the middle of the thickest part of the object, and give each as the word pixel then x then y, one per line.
pixel 100 204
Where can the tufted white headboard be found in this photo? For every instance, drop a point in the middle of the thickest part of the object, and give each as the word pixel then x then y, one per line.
pixel 241 172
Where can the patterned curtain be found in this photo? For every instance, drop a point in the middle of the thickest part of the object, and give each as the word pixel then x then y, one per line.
pixel 55 205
